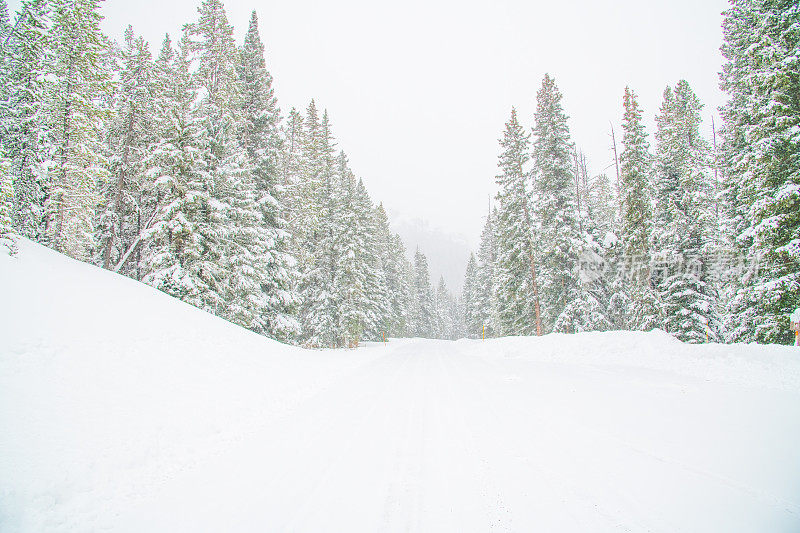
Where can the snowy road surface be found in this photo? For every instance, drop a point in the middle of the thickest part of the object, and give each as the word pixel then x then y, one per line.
pixel 124 410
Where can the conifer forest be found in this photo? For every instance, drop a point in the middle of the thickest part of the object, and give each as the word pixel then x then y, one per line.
pixel 175 165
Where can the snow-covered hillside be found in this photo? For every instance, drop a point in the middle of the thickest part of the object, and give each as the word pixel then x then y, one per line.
pixel 124 410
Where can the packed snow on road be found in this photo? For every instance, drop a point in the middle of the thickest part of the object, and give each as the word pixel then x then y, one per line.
pixel 122 409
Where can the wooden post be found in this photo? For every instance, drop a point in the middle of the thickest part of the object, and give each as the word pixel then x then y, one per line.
pixel 483 333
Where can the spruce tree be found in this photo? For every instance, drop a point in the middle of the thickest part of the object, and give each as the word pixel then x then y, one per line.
pixel 761 150
pixel 557 238
pixel 175 257
pixel 22 120
pixel 635 303
pixel 424 309
pixel 128 196
pixel 77 82
pixel 472 324
pixel 485 300
pixel 515 295
pixel 260 137
pixel 681 272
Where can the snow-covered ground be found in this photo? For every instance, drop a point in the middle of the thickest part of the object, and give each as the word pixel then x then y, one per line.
pixel 124 410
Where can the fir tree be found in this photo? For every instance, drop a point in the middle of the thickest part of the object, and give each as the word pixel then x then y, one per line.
pixel 682 271
pixel 485 301
pixel 424 309
pixel 78 80
pixel 23 121
pixel 635 303
pixel 128 196
pixel 260 137
pixel 514 289
pixel 558 240
pixel 174 260
pixel 762 117
pixel 472 324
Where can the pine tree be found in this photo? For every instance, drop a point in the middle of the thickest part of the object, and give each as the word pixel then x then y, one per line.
pixel 485 301
pixel 392 255
pixel 22 122
pixel 424 309
pixel 128 196
pixel 761 151
pixel 515 294
pixel 682 270
pixel 558 240
pixel 635 304
pixel 317 227
pixel 472 324
pixel 260 137
pixel 6 204
pixel 175 258
pixel 78 81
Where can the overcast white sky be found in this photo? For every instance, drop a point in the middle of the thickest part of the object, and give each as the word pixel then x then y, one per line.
pixel 418 91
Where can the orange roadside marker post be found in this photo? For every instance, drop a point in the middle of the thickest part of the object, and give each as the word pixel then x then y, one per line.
pixel 794 324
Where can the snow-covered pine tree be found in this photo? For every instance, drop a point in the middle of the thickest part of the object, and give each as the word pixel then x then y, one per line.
pixel 395 266
pixel 127 196
pixel 77 82
pixel 22 123
pixel 235 222
pixel 557 239
pixel 260 137
pixel 377 299
pixel 424 308
pixel 681 273
pixel 446 312
pixel 485 301
pixel 634 302
pixel 175 256
pixel 602 204
pixel 6 204
pixel 317 222
pixel 514 291
pixel 349 281
pixel 468 296
pixel 762 153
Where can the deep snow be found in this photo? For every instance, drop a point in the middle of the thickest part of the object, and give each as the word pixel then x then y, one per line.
pixel 122 409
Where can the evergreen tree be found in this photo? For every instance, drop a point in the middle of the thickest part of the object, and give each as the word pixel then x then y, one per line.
pixel 392 254
pixel 128 196
pixel 6 204
pixel 22 121
pixel 77 82
pixel 175 260
pixel 424 308
pixel 485 301
pixel 636 305
pixel 761 149
pixel 558 240
pixel 682 271
pixel 472 324
pixel 514 288
pixel 260 137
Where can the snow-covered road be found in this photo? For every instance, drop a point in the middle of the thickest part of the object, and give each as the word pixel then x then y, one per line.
pixel 123 410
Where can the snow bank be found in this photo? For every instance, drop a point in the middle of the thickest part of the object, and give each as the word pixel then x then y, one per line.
pixel 122 409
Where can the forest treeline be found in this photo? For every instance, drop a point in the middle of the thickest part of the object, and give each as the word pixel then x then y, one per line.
pixel 696 236
pixel 177 169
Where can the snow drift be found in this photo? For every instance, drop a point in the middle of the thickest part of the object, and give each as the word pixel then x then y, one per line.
pixel 122 409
